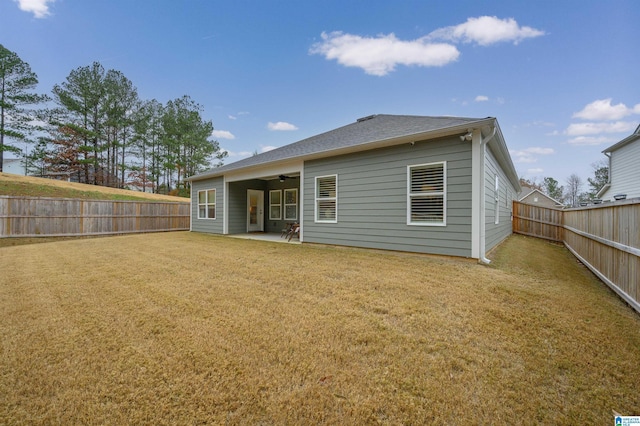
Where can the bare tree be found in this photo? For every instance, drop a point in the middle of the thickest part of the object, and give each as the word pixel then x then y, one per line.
pixel 574 186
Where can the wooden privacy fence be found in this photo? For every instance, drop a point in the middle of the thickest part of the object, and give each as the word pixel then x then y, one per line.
pixel 605 237
pixel 56 217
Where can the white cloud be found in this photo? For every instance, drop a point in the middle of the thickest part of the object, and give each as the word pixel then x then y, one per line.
pixel 235 117
pixel 222 134
pixel 39 8
pixel 486 30
pixel 281 126
pixel 481 98
pixel 533 172
pixel 583 129
pixel 380 55
pixel 265 148
pixel 540 151
pixel 591 140
pixel 529 155
pixel 603 110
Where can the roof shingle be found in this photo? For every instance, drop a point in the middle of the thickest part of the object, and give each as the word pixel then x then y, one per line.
pixel 364 131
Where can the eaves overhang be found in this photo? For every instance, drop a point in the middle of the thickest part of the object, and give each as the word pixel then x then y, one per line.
pixel 411 138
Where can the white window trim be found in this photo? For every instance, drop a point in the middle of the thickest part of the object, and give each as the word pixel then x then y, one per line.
pixel 443 193
pixel 315 215
pixel 207 203
pixel 271 205
pixel 284 203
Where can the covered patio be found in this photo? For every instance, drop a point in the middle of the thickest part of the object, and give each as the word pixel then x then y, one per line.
pixel 266 236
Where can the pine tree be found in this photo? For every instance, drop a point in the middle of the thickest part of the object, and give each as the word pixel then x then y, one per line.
pixel 16 82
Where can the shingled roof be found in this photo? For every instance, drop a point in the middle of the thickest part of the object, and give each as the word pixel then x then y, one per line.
pixel 363 132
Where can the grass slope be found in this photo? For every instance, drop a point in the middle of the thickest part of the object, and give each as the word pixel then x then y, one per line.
pixel 30 186
pixel 184 328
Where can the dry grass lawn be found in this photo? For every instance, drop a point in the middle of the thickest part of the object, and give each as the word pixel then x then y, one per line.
pixel 30 186
pixel 185 328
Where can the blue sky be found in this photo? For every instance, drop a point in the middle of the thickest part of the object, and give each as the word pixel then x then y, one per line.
pixel 560 76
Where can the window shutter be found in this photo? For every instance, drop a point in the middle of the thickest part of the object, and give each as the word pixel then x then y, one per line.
pixel 326 199
pixel 426 198
pixel 327 187
pixel 427 179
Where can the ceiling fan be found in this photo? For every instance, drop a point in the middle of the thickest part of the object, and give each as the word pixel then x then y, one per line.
pixel 285 177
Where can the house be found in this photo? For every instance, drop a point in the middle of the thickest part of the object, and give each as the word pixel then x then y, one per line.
pixel 13 166
pixel 536 197
pixel 624 169
pixel 439 185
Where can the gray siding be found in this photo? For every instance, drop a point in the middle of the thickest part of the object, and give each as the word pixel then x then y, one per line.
pixel 372 199
pixel 496 233
pixel 213 226
pixel 625 173
pixel 238 203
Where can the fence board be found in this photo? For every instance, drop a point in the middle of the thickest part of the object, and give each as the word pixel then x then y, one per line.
pixel 606 238
pixel 40 216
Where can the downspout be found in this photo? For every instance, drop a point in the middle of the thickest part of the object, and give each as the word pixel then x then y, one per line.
pixel 483 226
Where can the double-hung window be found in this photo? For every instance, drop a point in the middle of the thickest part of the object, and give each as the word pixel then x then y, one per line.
pixel 327 199
pixel 291 204
pixel 207 204
pixel 426 199
pixel 275 205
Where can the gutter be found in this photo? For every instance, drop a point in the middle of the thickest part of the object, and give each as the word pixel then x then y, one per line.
pixel 483 226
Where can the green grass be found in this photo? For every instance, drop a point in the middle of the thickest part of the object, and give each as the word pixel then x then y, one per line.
pixel 184 328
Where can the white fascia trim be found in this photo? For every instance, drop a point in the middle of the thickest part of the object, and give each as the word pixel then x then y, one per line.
pixel 225 207
pixel 301 204
pixel 267 171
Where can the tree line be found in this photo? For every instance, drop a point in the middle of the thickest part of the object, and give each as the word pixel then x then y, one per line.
pixel 96 129
pixel 573 193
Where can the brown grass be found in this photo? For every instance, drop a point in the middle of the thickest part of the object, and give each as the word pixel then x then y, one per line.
pixel 184 328
pixel 18 185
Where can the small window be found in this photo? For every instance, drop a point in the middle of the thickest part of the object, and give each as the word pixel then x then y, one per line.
pixel 275 205
pixel 291 204
pixel 426 200
pixel 207 204
pixel 327 199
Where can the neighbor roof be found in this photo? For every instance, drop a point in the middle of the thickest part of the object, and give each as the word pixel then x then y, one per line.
pixel 526 191
pixel 364 131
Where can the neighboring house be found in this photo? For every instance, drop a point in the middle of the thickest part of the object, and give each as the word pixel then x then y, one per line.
pixel 13 166
pixel 624 168
pixel 439 185
pixel 536 197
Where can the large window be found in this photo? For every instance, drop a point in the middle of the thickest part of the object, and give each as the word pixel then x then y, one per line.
pixel 291 204
pixel 426 200
pixel 207 204
pixel 275 205
pixel 327 199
